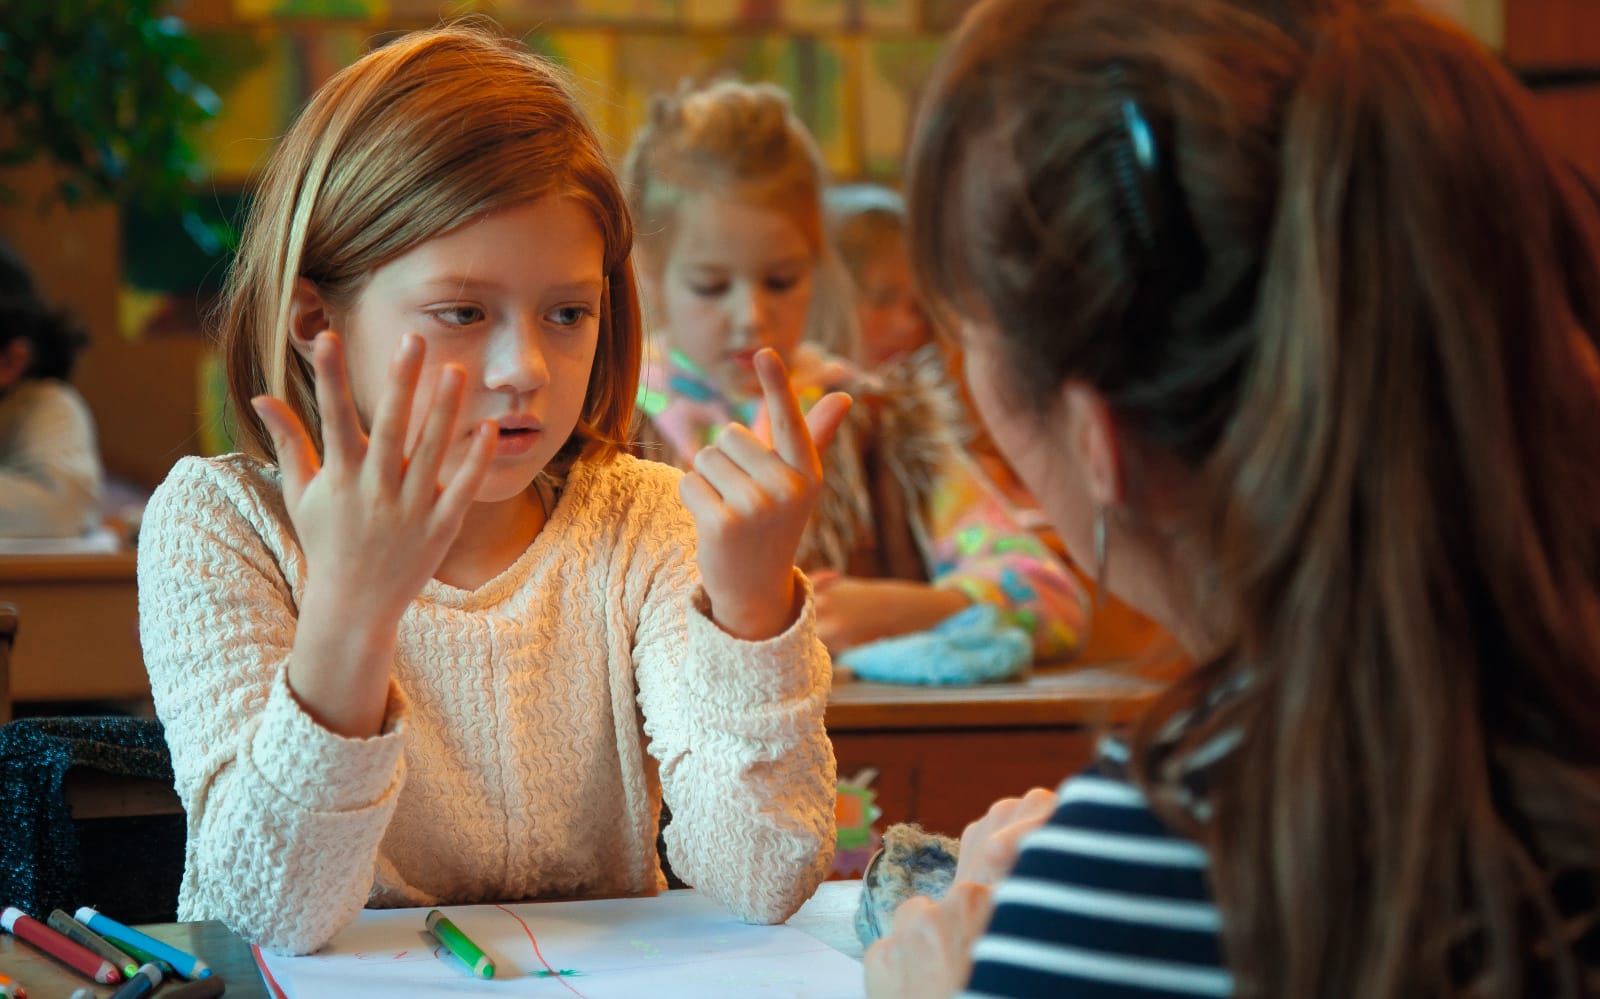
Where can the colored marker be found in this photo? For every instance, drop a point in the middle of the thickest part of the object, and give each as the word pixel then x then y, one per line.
pixel 208 987
pixel 141 984
pixel 9 987
pixel 142 956
pixel 459 945
pixel 74 955
pixel 186 965
pixel 81 934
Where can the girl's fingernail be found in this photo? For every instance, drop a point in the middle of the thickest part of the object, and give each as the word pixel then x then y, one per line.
pixel 410 345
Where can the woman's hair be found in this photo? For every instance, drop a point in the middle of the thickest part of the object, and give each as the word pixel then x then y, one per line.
pixel 863 221
pixel 1325 263
pixel 739 141
pixel 430 132
pixel 53 339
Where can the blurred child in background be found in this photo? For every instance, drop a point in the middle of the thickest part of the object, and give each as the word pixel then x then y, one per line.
pixel 726 187
pixel 50 475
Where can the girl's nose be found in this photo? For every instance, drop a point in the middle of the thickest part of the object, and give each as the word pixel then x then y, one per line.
pixel 750 312
pixel 516 360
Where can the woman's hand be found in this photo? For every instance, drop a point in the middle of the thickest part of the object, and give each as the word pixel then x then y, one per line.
pixel 374 523
pixel 928 954
pixel 852 611
pixel 989 846
pixel 751 503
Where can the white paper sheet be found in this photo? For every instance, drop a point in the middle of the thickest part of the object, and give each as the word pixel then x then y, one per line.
pixel 678 944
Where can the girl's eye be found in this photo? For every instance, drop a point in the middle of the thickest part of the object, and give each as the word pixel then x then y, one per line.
pixel 782 283
pixel 570 315
pixel 715 289
pixel 459 315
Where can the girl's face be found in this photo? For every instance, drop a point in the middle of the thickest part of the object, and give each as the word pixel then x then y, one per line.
pixel 892 320
pixel 736 278
pixel 514 298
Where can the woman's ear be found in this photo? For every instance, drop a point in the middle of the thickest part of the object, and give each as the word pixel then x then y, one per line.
pixel 308 316
pixel 1094 442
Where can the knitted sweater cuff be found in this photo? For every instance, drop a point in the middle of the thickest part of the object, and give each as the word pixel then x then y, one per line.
pixel 734 673
pixel 321 770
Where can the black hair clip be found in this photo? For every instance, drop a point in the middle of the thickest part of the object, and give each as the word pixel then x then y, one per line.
pixel 1135 163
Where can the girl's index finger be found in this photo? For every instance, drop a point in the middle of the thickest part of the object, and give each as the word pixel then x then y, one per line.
pixel 791 438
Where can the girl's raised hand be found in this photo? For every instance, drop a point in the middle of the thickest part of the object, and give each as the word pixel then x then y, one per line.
pixel 751 503
pixel 373 521
pixel 370 516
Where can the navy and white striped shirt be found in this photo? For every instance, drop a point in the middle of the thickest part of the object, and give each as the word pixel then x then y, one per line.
pixel 1104 903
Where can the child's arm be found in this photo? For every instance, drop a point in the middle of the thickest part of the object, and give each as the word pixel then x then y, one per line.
pixel 737 728
pixel 734 689
pixel 277 698
pixel 852 611
pixel 284 818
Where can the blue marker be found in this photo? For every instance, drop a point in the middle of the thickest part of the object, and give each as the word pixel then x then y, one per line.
pixel 186 965
pixel 141 984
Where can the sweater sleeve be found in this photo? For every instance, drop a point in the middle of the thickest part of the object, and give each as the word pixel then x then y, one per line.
pixel 50 477
pixel 284 817
pixel 737 727
pixel 976 544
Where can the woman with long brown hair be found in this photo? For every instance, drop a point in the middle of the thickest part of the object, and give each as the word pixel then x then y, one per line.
pixel 1288 316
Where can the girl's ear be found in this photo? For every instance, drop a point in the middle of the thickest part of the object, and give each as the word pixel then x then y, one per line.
pixel 308 316
pixel 1094 442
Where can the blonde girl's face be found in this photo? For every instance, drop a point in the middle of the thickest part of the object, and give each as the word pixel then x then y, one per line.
pixel 736 277
pixel 513 298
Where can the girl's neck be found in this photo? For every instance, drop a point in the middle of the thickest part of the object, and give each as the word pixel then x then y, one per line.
pixel 492 537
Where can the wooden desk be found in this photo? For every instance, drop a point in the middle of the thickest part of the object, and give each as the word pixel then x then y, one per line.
pixel 828 917
pixel 78 634
pixel 944 754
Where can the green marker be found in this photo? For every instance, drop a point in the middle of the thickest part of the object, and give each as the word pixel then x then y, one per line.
pixel 458 944
pixel 82 935
pixel 141 955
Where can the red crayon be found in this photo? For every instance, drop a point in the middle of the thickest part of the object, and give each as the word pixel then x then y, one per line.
pixel 76 956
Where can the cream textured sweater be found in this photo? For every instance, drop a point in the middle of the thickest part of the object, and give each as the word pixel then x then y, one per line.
pixel 534 723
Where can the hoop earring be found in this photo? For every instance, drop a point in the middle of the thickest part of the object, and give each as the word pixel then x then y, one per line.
pixel 1101 556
